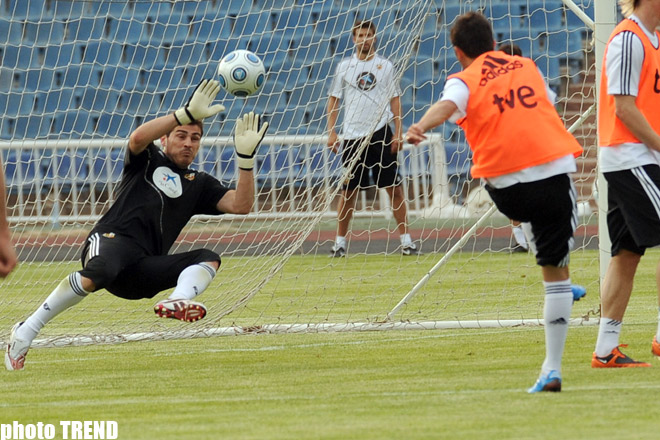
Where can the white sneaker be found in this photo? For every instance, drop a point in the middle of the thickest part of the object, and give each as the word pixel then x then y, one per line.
pixel 181 309
pixel 16 350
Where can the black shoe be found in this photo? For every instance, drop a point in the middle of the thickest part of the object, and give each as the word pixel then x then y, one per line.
pixel 410 249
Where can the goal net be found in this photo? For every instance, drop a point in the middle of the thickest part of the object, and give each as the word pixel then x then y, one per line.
pixel 76 77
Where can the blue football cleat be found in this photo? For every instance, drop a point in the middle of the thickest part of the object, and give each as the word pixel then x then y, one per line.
pixel 579 292
pixel 547 382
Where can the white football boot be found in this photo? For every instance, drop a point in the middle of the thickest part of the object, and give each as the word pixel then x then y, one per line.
pixel 16 350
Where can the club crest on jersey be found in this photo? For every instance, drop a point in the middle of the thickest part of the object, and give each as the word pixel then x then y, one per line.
pixel 168 182
pixel 366 81
pixel 109 235
pixel 189 176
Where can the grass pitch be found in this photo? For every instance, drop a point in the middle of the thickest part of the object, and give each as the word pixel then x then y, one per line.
pixel 440 384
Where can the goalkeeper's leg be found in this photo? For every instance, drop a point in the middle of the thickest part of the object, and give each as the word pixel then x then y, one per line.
pixel 67 294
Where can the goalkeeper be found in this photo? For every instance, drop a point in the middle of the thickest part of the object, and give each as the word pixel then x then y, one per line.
pixel 126 252
pixel 524 154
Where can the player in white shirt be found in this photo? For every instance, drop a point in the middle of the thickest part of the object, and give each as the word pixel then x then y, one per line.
pixel 365 84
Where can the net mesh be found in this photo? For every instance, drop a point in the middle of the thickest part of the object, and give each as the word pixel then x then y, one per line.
pixel 76 77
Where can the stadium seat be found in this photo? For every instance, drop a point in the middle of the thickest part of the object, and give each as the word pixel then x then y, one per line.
pixel 39 79
pixel 108 8
pixel 545 17
pixel 253 23
pixel 293 22
pixel 143 9
pixel 19 104
pixel 84 28
pixel 11 32
pixel 310 50
pixel 159 79
pixel 43 32
pixel 107 165
pixel 323 164
pixel 227 165
pixel 332 22
pixel 505 16
pixel 103 53
pixel 210 27
pixel 18 57
pixel 573 21
pixel 419 70
pixel 58 100
pixel 118 78
pixel 113 125
pixel 272 48
pixel 125 29
pixel 190 7
pixel 66 10
pixel 72 123
pixel 275 166
pixel 22 9
pixel 143 56
pixel 216 50
pixel 342 46
pixel 61 55
pixel 170 29
pixel 80 76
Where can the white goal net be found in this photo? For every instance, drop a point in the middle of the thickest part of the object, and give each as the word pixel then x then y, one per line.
pixel 76 77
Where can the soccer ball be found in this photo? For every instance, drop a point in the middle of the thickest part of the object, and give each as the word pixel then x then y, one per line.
pixel 241 73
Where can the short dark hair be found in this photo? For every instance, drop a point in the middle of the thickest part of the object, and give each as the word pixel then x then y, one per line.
pixel 473 34
pixel 200 124
pixel 510 49
pixel 362 24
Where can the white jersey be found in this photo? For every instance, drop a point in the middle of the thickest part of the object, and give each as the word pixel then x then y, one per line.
pixel 366 88
pixel 623 59
pixel 457 92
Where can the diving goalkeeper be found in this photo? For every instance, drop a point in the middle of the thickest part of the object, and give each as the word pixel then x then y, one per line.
pixel 126 251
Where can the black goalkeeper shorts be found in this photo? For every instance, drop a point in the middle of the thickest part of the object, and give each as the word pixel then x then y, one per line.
pixel 116 263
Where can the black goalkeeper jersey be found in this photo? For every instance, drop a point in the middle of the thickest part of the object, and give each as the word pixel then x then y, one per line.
pixel 155 200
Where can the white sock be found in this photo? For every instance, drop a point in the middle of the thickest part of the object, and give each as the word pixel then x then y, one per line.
pixel 556 314
pixel 67 294
pixel 519 235
pixel 340 242
pixel 406 239
pixel 608 336
pixel 192 281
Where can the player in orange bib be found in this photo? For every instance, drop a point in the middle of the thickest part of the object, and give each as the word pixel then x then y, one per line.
pixel 524 155
pixel 629 157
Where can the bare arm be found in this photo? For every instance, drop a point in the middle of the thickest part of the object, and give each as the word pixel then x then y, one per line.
pixel 436 115
pixel 241 199
pixel 7 254
pixel 397 141
pixel 628 112
pixel 333 113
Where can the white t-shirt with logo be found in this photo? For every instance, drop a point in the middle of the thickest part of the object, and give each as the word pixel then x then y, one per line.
pixel 366 88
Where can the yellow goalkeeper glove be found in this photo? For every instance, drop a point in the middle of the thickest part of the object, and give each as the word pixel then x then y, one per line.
pixel 199 105
pixel 247 137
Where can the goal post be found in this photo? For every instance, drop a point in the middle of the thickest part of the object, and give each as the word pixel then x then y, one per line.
pixel 76 77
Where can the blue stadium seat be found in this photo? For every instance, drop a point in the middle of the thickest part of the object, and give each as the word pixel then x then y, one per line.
pixel 520 37
pixel 332 22
pixel 169 29
pixel 227 165
pixel 160 79
pixel 545 17
pixel 505 16
pixel 210 27
pixel 293 22
pixel 118 78
pixel 67 9
pixel 216 50
pixel 39 79
pixel 84 28
pixel 146 57
pixel 108 8
pixel 80 76
pixel 142 9
pixel 46 32
pixel 18 57
pixel 113 125
pixel 251 23
pixel 29 127
pixel 58 101
pixel 107 165
pixel 61 55
pixel 19 104
pixel 94 99
pixel 323 164
pixel 573 21
pixel 101 53
pixel 271 48
pixel 396 44
pixel 191 7
pixel 73 123
pixel 11 32
pixel 140 103
pixel 124 29
pixel 310 50
pixel 275 166
pixel 419 70
pixel 22 9
pixel 179 56
pixel 22 170
pixel 342 46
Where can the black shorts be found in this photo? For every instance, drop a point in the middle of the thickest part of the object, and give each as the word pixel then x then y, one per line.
pixel 549 205
pixel 116 263
pixel 377 157
pixel 633 212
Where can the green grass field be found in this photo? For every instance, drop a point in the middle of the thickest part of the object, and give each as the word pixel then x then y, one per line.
pixel 438 384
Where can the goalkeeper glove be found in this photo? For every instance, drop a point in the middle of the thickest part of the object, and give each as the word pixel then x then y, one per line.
pixel 199 105
pixel 247 138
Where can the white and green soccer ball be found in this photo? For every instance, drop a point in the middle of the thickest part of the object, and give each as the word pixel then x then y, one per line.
pixel 241 73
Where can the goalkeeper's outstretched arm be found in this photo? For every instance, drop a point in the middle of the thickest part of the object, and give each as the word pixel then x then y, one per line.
pixel 199 106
